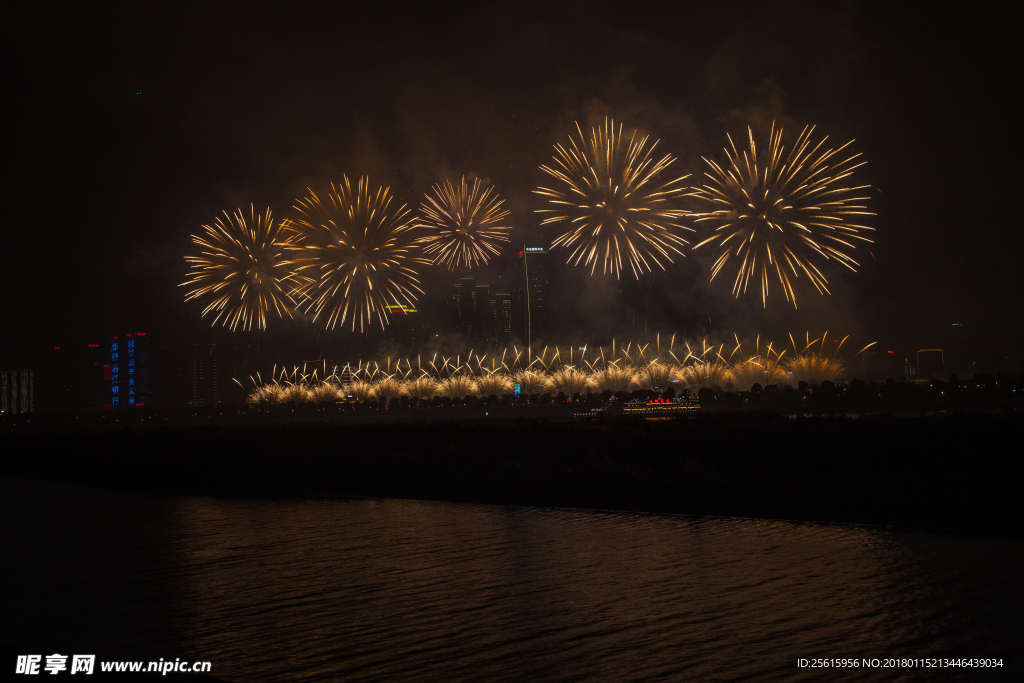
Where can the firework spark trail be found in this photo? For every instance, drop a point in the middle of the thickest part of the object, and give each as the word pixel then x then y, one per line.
pixel 494 384
pixel 324 392
pixel 612 204
pixel 355 255
pixel 568 380
pixel 705 374
pixel 458 386
pixel 295 393
pixel 613 378
pixel 244 268
pixel 756 370
pixel 465 224
pixel 361 390
pixel 815 368
pixel 530 379
pixel 621 369
pixel 421 388
pixel 655 375
pixel 389 387
pixel 783 210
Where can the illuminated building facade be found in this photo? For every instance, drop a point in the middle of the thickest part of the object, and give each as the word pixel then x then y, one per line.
pixel 16 391
pixel 128 371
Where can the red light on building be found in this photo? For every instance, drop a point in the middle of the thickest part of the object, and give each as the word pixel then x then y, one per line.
pixel 140 404
pixel 94 346
pixel 56 348
pixel 892 352
pixel 140 334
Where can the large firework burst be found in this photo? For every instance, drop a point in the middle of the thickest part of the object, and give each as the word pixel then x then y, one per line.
pixel 465 224
pixel 612 202
pixel 355 254
pixel 775 214
pixel 243 269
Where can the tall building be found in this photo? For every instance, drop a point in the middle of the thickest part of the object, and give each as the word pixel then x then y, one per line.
pixel 909 371
pixel 73 378
pixel 530 294
pixel 959 348
pixel 931 363
pixel 502 305
pixel 16 391
pixel 128 371
pixel 461 304
pixel 405 327
pixel 204 382
pixel 483 316
pixel 474 311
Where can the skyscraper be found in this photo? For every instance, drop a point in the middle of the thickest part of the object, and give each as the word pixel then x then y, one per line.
pixel 502 305
pixel 204 383
pixel 73 379
pixel 405 327
pixel 473 311
pixel 128 371
pixel 530 293
pixel 483 316
pixel 463 292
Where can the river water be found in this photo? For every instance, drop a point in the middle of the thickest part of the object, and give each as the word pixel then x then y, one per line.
pixel 327 590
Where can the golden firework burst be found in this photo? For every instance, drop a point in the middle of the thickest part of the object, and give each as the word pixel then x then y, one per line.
pixel 775 214
pixel 612 201
pixel 465 224
pixel 354 255
pixel 243 269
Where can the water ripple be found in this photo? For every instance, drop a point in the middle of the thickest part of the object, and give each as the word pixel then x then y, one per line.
pixel 367 590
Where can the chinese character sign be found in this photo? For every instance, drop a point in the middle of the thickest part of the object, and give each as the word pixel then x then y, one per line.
pixel 129 370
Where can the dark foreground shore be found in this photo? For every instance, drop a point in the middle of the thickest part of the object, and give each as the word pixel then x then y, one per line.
pixel 953 472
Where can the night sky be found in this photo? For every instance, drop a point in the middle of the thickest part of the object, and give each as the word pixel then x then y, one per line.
pixel 129 126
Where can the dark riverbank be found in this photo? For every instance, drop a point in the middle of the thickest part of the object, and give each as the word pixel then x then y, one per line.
pixel 952 472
